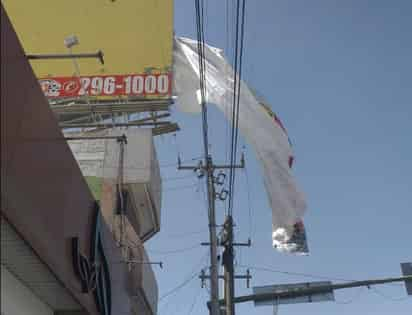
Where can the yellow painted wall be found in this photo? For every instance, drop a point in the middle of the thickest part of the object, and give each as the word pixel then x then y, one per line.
pixel 134 35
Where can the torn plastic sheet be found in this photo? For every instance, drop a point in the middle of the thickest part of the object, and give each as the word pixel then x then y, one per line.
pixel 261 128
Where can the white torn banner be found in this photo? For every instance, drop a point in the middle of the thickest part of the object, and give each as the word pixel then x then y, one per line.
pixel 261 128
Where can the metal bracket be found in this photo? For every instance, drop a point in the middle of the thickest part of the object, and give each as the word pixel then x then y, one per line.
pixel 98 55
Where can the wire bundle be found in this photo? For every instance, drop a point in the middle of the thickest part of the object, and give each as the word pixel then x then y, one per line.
pixel 238 56
pixel 199 4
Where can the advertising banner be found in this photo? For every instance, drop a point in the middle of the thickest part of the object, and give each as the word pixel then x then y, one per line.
pixel 107 85
pixel 135 37
pixel 261 128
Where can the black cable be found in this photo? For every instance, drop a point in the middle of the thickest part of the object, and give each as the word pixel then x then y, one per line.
pixel 193 273
pixel 390 298
pixel 194 302
pixel 168 179
pixel 199 6
pixel 175 251
pixel 306 275
pixel 185 282
pixel 236 98
pixel 233 108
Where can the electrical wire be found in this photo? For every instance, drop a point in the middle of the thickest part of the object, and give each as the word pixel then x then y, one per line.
pixel 175 251
pixel 199 7
pixel 188 279
pixel 385 296
pixel 174 164
pixel 240 22
pixel 180 286
pixel 186 234
pixel 194 302
pixel 168 179
pixel 179 187
pixel 306 275
pixel 355 297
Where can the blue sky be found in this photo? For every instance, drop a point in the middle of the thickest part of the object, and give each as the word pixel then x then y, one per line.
pixel 339 75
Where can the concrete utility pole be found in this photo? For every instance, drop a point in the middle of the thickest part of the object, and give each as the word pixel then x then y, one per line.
pixel 209 168
pixel 214 272
pixel 228 258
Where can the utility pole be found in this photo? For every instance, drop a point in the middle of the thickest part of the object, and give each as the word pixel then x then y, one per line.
pixel 214 272
pixel 208 168
pixel 227 259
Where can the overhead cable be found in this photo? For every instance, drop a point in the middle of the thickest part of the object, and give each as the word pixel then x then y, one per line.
pixel 240 21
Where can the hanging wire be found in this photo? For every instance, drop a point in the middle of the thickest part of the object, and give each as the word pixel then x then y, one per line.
pixel 180 286
pixel 356 296
pixel 387 297
pixel 193 273
pixel 291 273
pixel 169 179
pixel 240 21
pixel 192 306
pixel 199 6
pixel 175 251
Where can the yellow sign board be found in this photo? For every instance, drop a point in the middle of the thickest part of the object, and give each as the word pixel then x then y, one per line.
pixel 135 36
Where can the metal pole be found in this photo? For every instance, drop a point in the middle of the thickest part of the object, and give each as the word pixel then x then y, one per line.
pixel 214 273
pixel 209 167
pixel 293 293
pixel 228 257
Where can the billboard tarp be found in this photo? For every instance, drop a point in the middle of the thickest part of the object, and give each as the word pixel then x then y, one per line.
pixel 135 36
pixel 261 128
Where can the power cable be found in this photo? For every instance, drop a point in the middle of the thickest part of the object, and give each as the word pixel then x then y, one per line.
pixel 189 278
pixel 236 99
pixel 355 297
pixel 179 188
pixel 186 234
pixel 293 273
pixel 168 179
pixel 194 302
pixel 185 282
pixel 307 275
pixel 174 164
pixel 385 296
pixel 232 142
pixel 199 7
pixel 175 251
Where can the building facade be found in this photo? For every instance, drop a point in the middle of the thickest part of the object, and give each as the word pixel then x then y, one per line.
pixel 59 251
